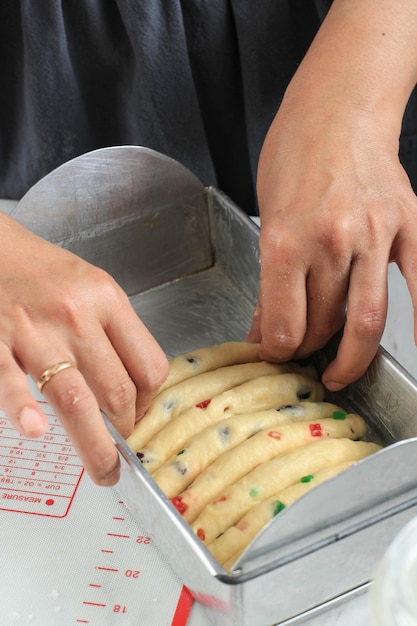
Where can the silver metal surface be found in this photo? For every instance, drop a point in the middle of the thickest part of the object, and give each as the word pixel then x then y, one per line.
pixel 129 210
pixel 189 260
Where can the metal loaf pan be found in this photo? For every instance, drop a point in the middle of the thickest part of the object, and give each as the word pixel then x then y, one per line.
pixel 188 258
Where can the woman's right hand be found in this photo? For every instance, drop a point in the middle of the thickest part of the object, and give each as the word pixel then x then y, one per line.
pixel 335 202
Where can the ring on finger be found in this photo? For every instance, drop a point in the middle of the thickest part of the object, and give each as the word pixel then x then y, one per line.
pixel 50 372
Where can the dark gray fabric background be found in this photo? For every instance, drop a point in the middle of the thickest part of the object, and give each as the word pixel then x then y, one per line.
pixel 199 80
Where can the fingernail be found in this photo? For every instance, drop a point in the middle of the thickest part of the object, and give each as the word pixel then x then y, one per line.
pixel 31 422
pixel 111 479
pixel 333 386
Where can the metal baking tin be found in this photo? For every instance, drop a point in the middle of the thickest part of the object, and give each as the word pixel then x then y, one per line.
pixel 188 258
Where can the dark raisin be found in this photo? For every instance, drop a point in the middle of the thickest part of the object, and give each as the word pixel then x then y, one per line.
pixel 304 395
pixel 181 468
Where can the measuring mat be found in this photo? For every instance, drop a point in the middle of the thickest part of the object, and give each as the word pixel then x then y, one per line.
pixel 70 551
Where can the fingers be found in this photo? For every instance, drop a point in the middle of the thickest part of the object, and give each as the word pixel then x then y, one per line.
pixel 142 357
pixel 103 374
pixel 118 367
pixel 326 305
pixel 284 313
pixel 76 407
pixel 74 404
pixel 121 369
pixel 255 334
pixel 107 379
pixel 16 400
pixel 406 257
pixel 124 365
pixel 281 319
pixel 365 321
pixel 301 304
pixel 300 309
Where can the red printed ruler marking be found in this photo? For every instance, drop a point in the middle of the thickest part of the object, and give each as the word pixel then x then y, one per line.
pixel 122 574
pixel 38 476
pixel 119 579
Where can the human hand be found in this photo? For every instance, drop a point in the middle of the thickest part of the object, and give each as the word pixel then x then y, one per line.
pixel 336 207
pixel 55 307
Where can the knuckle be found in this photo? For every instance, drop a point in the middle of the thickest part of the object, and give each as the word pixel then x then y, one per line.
pixel 335 241
pixel 280 345
pixel 108 287
pixel 158 375
pixel 70 308
pixel 73 400
pixel 74 300
pixel 121 396
pixel 370 324
pixel 278 252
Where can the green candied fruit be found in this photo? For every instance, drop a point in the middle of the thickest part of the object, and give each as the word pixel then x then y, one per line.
pixel 306 479
pixel 253 492
pixel 181 452
pixel 278 506
pixel 339 415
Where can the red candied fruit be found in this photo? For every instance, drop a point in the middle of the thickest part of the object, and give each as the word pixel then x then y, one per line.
pixel 179 504
pixel 204 404
pixel 201 534
pixel 316 430
pixel 274 434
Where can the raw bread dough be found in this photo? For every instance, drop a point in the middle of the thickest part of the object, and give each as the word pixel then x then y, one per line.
pixel 206 359
pixel 269 443
pixel 229 438
pixel 228 547
pixel 264 392
pixel 268 478
pixel 175 400
pixel 206 446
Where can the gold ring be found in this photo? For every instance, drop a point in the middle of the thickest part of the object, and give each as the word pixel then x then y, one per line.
pixel 51 371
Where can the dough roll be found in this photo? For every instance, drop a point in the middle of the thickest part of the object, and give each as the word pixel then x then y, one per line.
pixel 267 444
pixel 175 400
pixel 264 392
pixel 205 447
pixel 271 477
pixel 229 546
pixel 209 358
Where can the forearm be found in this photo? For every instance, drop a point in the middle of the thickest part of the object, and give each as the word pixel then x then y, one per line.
pixel 364 55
